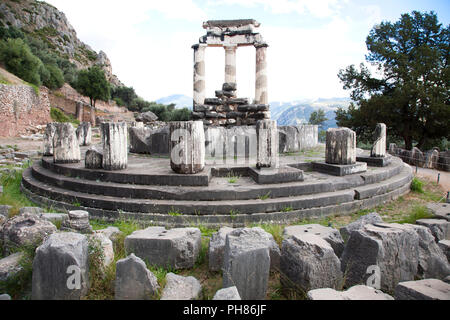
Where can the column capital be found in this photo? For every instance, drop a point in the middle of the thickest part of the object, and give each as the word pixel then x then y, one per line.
pixel 261 45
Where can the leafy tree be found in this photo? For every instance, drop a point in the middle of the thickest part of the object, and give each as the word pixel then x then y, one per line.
pixel 412 94
pixel 56 77
pixel 317 117
pixel 126 94
pixel 92 83
pixel 18 59
pixel 181 114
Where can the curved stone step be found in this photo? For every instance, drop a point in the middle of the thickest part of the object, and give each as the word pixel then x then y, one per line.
pixel 183 206
pixel 215 192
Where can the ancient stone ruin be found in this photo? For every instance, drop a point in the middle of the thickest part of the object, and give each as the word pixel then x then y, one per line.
pixel 226 109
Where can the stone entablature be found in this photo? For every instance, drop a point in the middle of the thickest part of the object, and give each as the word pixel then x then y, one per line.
pixel 230 34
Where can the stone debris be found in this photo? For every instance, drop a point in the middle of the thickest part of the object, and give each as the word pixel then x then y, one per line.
pixel 440 228
pixel 25 229
pixel 4 211
pixel 176 248
pixel 370 218
pixel 55 217
pixel 181 288
pixel 134 281
pixel 445 247
pixel 230 293
pixel 149 141
pixel 330 235
pixel 93 158
pixel 393 247
pixel 112 233
pixel 10 266
pixel 440 210
pixel 309 262
pixel 61 268
pixel 5 296
pixel 246 265
pixel 427 289
pixel 106 247
pixel 78 222
pixel 359 292
pixel 216 248
pixel 32 210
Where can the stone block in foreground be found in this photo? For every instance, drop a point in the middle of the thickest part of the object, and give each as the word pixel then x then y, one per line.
pixel 359 292
pixel 427 289
pixel 176 248
pixel 181 288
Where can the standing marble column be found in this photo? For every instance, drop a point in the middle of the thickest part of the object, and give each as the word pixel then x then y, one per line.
pixel 84 133
pixel 267 144
pixel 48 138
pixel 230 63
pixel 261 74
pixel 115 148
pixel 79 111
pixel 199 74
pixel 379 146
pixel 92 114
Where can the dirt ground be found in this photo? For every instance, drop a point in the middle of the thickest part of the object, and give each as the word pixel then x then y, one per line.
pixel 432 175
pixel 22 144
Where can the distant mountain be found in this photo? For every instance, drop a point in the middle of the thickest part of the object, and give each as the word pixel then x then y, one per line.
pixel 180 101
pixel 285 113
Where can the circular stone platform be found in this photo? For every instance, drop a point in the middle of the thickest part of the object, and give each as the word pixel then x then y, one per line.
pixel 149 191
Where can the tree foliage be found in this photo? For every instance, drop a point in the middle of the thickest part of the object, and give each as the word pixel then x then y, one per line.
pixel 92 83
pixel 412 94
pixel 125 95
pixel 317 117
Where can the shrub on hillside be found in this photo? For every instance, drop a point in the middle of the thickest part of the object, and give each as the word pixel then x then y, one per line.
pixel 18 59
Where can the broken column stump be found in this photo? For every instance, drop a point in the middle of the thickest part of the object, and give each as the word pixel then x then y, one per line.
pixel 48 138
pixel 115 148
pixel 65 144
pixel 340 154
pixel 187 147
pixel 378 156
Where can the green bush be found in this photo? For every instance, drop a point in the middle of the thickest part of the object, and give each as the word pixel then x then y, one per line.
pixel 55 79
pixel 417 185
pixel 58 116
pixel 18 59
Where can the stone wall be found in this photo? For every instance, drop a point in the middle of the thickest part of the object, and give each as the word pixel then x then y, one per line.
pixel 432 159
pixel 21 108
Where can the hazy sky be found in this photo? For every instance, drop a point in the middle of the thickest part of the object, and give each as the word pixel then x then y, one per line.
pixel 149 42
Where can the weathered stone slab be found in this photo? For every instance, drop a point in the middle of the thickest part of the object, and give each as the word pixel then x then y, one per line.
pixel 246 266
pixel 54 217
pixel 440 228
pixel 133 280
pixel 187 147
pixel 66 148
pixel 330 235
pixel 275 175
pixel 61 268
pixel 25 229
pixel 10 266
pixel 267 144
pixel 115 148
pixel 440 210
pixel 78 222
pixel 392 247
pixel 373 161
pixel 93 158
pixel 149 141
pixel 359 292
pixel 5 297
pixel 309 262
pixel 177 248
pixel 340 169
pixel 181 288
pixel 84 133
pixel 370 218
pixel 230 293
pixel 427 289
pixel 216 248
pixel 340 146
pixel 48 139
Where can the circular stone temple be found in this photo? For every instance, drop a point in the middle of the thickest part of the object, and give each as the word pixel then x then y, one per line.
pixel 231 165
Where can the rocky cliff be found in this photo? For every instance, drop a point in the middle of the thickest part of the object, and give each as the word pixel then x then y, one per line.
pixel 44 21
